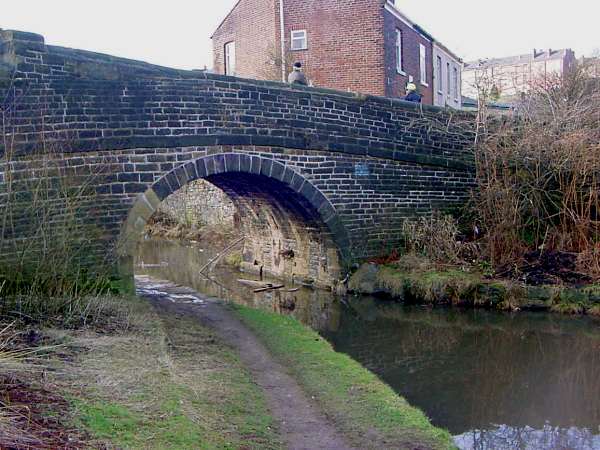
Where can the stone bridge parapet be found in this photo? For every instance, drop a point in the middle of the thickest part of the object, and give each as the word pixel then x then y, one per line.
pixel 365 162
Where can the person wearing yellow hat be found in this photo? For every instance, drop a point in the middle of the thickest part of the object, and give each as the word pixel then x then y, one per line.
pixel 411 93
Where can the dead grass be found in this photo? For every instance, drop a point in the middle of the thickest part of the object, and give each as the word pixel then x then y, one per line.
pixel 538 175
pixel 169 384
pixel 100 311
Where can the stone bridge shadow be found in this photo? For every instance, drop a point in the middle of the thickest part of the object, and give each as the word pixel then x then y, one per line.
pixel 291 228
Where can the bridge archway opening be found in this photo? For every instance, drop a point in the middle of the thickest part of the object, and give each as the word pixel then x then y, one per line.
pixel 290 229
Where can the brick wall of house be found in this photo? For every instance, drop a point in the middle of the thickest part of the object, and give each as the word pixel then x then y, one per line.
pixel 396 82
pixel 252 25
pixel 345 43
pixel 351 44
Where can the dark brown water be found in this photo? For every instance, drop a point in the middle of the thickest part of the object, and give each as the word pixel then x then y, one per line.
pixel 495 380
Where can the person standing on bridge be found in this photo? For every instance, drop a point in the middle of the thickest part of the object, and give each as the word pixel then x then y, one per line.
pixel 411 93
pixel 297 75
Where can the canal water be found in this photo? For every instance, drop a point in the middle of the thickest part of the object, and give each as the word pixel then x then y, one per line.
pixel 494 380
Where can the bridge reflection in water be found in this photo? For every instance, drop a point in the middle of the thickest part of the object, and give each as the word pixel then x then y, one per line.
pixel 496 381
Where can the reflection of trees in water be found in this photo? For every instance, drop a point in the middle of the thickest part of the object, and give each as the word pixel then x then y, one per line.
pixel 527 438
pixel 531 378
pixel 468 370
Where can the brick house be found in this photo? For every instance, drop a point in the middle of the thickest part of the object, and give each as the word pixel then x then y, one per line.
pixel 366 46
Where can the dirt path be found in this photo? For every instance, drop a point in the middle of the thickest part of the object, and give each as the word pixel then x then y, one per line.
pixel 302 425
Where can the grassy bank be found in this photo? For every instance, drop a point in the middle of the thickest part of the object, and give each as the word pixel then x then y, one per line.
pixel 364 408
pixel 164 382
pixel 452 286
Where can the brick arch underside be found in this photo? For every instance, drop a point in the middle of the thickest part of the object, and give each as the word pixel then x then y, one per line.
pixel 290 227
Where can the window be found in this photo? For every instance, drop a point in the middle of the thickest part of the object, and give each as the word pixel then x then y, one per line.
pixel 230 58
pixel 439 74
pixel 455 83
pixel 423 63
pixel 299 40
pixel 448 84
pixel 399 63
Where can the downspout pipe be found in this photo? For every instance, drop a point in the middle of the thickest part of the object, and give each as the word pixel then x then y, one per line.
pixel 282 32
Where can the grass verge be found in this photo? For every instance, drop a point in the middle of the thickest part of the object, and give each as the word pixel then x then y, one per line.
pixel 364 408
pixel 165 382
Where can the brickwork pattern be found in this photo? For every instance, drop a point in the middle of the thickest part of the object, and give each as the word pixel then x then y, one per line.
pixel 411 40
pixel 345 43
pixel 332 171
pixel 199 204
pixel 351 44
pixel 253 26
pixel 56 100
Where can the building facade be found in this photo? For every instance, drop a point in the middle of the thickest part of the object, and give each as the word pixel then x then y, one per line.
pixel 366 46
pixel 591 65
pixel 509 77
pixel 447 77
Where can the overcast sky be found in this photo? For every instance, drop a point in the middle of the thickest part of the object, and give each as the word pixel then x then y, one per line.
pixel 177 33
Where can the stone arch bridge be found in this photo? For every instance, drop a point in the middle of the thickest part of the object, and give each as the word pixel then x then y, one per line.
pixel 328 175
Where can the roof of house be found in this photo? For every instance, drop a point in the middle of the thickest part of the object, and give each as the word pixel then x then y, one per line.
pixel 535 56
pixel 469 102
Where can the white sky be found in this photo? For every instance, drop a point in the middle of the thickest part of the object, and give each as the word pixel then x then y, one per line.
pixel 177 33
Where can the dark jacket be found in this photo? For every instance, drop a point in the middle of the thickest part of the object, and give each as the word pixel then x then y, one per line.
pixel 297 77
pixel 414 97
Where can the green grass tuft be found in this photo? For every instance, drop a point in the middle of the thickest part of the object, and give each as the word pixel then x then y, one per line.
pixel 360 403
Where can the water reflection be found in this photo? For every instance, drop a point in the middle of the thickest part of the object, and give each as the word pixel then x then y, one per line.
pixel 535 374
pixel 527 438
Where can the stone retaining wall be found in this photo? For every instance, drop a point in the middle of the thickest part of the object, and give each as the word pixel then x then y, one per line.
pixel 200 204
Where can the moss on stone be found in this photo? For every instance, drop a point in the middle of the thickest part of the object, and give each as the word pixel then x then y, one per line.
pixel 419 282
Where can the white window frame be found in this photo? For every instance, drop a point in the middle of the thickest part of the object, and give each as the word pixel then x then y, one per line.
pixel 423 64
pixel 440 76
pixel 448 80
pixel 455 82
pixel 298 36
pixel 229 58
pixel 399 51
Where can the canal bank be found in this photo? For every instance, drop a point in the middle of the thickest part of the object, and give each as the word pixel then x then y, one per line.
pixel 495 380
pixel 178 369
pixel 319 399
pixel 406 282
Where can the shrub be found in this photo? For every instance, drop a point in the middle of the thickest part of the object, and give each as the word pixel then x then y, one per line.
pixel 436 237
pixel 538 175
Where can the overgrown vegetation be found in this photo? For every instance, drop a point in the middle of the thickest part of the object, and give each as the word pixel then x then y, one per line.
pixel 170 384
pixel 538 175
pixel 360 404
pixel 21 405
pixel 48 234
pixel 533 216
